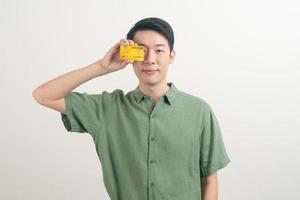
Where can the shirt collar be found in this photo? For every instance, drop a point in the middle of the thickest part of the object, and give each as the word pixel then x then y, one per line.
pixel 169 96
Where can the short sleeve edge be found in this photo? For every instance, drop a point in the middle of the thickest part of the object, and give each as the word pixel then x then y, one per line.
pixel 208 172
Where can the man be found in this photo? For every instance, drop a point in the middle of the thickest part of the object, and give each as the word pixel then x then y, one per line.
pixel 155 142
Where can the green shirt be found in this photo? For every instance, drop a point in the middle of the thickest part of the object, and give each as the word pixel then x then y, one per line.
pixel 148 151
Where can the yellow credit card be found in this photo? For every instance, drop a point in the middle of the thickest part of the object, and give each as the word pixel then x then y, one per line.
pixel 128 52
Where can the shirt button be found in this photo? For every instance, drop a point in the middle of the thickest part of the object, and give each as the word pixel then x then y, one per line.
pixel 152 138
pixel 151 184
pixel 152 161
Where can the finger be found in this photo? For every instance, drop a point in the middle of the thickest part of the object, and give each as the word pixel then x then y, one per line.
pixel 125 62
pixel 128 61
pixel 134 43
pixel 131 42
pixel 122 42
pixel 127 42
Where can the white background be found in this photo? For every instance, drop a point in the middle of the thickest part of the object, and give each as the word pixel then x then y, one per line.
pixel 242 57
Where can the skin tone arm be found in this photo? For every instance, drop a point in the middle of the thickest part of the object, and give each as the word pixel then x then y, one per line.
pixel 209 187
pixel 51 93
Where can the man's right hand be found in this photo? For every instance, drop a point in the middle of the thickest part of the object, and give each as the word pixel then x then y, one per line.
pixel 111 61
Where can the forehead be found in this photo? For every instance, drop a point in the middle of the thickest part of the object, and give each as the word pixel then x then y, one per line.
pixel 150 38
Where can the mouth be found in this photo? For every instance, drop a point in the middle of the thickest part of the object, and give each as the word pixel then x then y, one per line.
pixel 150 72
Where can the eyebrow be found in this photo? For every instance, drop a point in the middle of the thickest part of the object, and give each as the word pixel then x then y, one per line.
pixel 157 45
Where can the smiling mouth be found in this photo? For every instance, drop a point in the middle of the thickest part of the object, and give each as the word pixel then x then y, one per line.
pixel 149 72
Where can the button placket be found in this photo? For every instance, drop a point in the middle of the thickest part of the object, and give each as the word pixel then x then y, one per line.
pixel 151 147
pixel 152 139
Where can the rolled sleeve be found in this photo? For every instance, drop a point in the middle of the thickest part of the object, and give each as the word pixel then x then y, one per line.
pixel 84 112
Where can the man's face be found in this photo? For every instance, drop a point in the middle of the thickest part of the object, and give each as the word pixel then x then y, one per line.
pixel 157 57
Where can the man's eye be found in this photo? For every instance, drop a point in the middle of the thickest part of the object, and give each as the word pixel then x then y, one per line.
pixel 160 50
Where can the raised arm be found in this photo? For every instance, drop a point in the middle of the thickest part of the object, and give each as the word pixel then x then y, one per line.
pixel 51 93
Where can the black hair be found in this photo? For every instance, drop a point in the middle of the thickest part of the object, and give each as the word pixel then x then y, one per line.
pixel 155 24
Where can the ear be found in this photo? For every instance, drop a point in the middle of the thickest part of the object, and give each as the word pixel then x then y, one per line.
pixel 172 56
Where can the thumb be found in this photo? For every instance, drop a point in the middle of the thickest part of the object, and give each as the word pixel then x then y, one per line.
pixel 126 62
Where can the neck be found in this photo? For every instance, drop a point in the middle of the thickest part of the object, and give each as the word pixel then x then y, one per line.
pixel 154 91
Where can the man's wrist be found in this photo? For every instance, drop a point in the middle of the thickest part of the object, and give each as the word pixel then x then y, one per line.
pixel 99 68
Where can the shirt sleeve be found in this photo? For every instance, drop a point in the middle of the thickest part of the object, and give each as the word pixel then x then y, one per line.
pixel 213 155
pixel 85 112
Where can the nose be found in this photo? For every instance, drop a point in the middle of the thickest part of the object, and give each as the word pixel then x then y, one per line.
pixel 149 58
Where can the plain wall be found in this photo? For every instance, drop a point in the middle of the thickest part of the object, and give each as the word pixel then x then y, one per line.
pixel 242 57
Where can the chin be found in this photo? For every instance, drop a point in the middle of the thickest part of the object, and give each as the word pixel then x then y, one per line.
pixel 150 82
